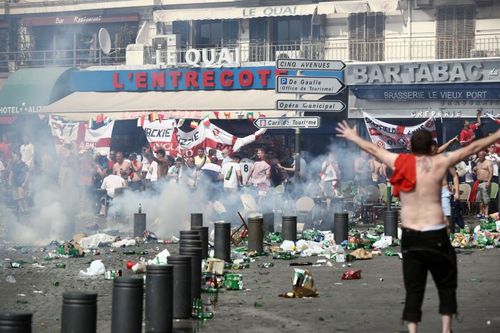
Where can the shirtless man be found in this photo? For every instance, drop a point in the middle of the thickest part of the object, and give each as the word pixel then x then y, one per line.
pixel 484 173
pixel 425 244
pixel 121 166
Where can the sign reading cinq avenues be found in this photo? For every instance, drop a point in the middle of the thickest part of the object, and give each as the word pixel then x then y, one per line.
pixel 310 65
pixel 431 72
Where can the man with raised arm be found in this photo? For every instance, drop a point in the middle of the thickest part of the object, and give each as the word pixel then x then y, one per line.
pixel 425 244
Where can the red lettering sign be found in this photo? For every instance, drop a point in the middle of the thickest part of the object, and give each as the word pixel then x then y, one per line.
pixel 208 79
pixel 191 80
pixel 226 79
pixel 141 80
pixel 116 81
pixel 158 80
pixel 245 78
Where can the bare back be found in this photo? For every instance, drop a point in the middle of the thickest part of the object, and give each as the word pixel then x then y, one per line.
pixel 421 207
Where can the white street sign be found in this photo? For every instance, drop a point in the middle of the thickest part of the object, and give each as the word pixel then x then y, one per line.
pixel 303 105
pixel 294 122
pixel 308 85
pixel 310 65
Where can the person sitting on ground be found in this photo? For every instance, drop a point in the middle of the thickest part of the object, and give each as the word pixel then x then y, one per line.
pixel 467 134
pixel 425 244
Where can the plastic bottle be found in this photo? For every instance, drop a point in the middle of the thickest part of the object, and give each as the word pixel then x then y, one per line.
pixel 140 209
pixel 340 257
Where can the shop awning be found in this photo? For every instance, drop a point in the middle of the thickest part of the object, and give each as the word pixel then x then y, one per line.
pixel 29 89
pixel 207 13
pixel 221 104
pixel 347 7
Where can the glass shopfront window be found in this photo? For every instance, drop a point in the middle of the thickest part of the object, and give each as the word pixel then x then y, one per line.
pixel 216 33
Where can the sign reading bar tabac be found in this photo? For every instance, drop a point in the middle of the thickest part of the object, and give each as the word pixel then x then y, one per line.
pixel 308 85
pixel 304 105
pixel 293 122
pixel 310 65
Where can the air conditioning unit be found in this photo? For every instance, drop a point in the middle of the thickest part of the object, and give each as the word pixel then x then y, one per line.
pixel 289 54
pixel 421 4
pixel 134 54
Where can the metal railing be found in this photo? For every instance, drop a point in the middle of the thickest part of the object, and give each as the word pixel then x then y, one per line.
pixel 389 49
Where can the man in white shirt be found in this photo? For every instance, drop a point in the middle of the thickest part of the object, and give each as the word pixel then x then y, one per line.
pixel 246 165
pixel 27 151
pixel 110 183
pixel 231 174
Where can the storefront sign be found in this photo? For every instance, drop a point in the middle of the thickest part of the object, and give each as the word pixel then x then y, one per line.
pixel 9 110
pixel 271 11
pixel 78 19
pixel 467 71
pixel 399 93
pixel 308 85
pixel 206 57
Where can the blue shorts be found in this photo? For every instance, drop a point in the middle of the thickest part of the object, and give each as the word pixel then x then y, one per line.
pixel 445 201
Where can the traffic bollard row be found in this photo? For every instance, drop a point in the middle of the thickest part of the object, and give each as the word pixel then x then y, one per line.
pixel 222 240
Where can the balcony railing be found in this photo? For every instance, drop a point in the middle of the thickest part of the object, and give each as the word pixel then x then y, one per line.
pixel 389 49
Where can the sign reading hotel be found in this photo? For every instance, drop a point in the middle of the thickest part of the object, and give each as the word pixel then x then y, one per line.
pixel 308 85
pixel 293 122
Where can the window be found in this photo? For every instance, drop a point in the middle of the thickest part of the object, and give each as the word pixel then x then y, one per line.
pixel 366 36
pixel 181 28
pixel 455 32
pixel 291 30
pixel 217 33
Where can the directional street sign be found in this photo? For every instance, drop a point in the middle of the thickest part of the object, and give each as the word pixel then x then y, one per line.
pixel 308 85
pixel 294 122
pixel 303 105
pixel 310 65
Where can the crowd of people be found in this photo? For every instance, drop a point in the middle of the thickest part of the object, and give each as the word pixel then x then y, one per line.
pixel 256 170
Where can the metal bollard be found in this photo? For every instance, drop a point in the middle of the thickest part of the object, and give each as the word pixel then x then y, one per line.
pixel 79 312
pixel 139 224
pixel 340 227
pixel 289 228
pixel 222 240
pixel 126 311
pixel 391 223
pixel 182 286
pixel 204 240
pixel 268 221
pixel 195 254
pixel 190 243
pixel 256 234
pixel 196 220
pixel 159 298
pixel 15 322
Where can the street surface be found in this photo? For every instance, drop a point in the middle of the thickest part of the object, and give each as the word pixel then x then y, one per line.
pixel 372 304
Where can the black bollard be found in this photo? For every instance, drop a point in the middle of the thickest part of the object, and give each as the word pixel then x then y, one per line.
pixel 190 237
pixel 195 254
pixel 222 240
pixel 340 227
pixel 188 233
pixel 79 312
pixel 126 312
pixel 256 234
pixel 182 286
pixel 190 243
pixel 159 298
pixel 391 223
pixel 289 228
pixel 196 220
pixel 204 240
pixel 268 221
pixel 15 322
pixel 139 224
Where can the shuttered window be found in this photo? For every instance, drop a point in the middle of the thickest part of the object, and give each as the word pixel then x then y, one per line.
pixel 455 31
pixel 366 36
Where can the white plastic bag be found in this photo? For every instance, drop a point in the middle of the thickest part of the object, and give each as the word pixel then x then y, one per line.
pixel 96 268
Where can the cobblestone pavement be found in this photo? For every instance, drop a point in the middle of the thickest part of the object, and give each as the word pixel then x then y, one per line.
pixel 371 304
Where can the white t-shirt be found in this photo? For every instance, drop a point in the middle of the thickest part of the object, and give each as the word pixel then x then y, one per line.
pixel 152 174
pixel 27 153
pixel 229 173
pixel 112 182
pixel 329 173
pixel 245 166
pixel 494 160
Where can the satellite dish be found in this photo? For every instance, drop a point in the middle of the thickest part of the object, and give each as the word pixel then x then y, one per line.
pixel 104 41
